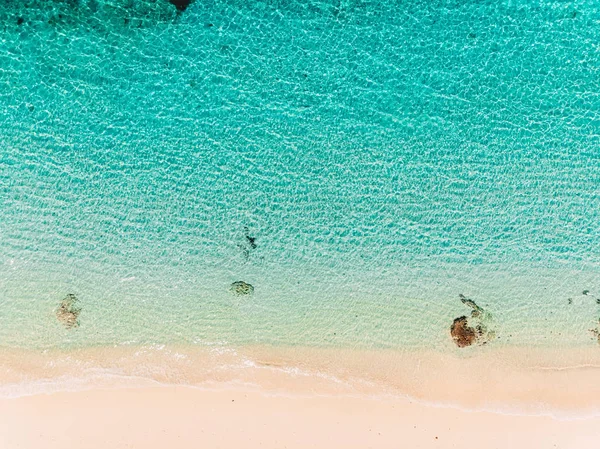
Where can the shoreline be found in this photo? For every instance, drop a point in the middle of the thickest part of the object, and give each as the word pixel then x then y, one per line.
pixel 524 381
pixel 259 397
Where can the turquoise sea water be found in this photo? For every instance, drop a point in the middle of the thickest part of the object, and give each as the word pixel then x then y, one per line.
pixel 384 156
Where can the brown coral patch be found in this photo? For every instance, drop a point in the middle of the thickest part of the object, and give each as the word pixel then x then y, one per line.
pixel 463 334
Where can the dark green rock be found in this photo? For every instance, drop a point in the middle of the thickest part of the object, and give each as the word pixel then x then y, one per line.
pixel 241 288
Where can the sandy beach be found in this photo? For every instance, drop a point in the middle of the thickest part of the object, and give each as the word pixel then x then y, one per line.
pixel 182 417
pixel 161 397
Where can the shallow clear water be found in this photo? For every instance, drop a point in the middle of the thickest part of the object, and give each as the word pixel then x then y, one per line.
pixel 385 156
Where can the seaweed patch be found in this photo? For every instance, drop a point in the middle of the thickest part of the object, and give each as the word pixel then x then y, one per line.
pixel 251 241
pixel 68 311
pixel 248 245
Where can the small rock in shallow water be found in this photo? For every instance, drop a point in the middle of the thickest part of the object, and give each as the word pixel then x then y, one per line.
pixel 462 334
pixel 241 288
pixel 68 312
pixel 468 331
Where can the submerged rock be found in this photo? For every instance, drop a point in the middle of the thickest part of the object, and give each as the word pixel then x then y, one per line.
pixel 241 288
pixel 462 334
pixel 68 311
pixel 466 331
pixel 181 5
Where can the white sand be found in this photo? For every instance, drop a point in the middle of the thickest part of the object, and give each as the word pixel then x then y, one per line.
pixel 300 398
pixel 184 417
